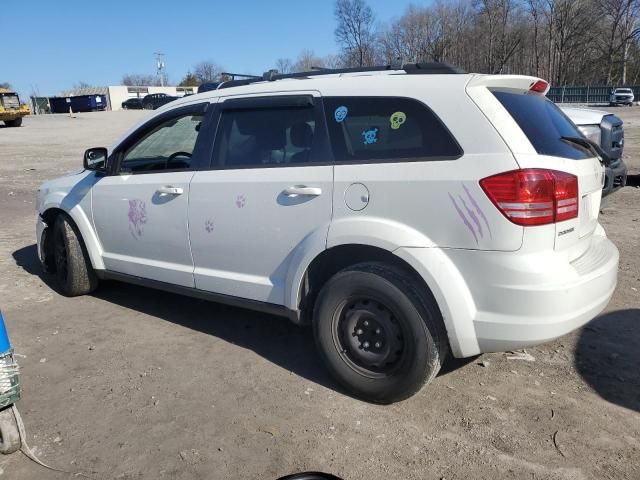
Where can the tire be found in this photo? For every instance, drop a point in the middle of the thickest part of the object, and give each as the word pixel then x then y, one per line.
pixel 17 122
pixel 74 273
pixel 379 333
pixel 9 434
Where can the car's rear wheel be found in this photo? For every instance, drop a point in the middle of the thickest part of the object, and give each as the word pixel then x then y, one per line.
pixel 74 273
pixel 379 333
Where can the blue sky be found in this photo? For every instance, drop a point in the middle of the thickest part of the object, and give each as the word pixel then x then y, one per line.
pixel 52 44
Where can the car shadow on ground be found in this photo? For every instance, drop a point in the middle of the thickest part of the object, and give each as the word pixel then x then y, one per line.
pixel 274 338
pixel 633 180
pixel 27 259
pixel 608 357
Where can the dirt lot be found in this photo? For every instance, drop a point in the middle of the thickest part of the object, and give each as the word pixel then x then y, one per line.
pixel 131 383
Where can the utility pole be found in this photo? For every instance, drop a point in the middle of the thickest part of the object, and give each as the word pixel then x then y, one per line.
pixel 160 66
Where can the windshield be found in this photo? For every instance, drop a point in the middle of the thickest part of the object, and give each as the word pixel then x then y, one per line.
pixel 623 90
pixel 544 124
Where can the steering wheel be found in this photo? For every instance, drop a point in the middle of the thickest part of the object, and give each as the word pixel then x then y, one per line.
pixel 174 155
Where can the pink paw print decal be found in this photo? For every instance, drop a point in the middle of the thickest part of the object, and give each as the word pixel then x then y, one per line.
pixel 208 226
pixel 241 201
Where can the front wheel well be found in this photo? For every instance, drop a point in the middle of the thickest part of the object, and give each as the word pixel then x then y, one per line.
pixel 334 259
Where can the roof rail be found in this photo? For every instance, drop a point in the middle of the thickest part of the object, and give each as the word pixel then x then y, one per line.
pixel 431 68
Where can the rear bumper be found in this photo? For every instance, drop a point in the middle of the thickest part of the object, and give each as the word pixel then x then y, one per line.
pixel 495 301
pixel 564 297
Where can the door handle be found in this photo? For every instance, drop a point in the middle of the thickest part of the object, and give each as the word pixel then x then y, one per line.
pixel 169 190
pixel 302 190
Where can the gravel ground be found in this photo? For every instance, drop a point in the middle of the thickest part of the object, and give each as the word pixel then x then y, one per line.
pixel 132 383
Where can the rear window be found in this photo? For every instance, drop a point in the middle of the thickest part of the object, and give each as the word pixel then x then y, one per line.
pixel 391 129
pixel 543 123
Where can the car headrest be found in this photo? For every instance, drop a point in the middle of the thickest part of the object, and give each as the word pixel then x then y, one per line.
pixel 301 135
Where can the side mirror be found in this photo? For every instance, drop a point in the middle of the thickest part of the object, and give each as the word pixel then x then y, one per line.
pixel 95 159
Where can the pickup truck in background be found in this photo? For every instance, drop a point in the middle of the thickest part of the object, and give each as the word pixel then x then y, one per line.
pixel 606 130
pixel 621 96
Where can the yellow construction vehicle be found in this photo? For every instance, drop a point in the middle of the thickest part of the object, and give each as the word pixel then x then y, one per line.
pixel 11 111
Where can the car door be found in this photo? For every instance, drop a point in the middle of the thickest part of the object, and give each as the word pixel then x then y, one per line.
pixel 266 197
pixel 140 209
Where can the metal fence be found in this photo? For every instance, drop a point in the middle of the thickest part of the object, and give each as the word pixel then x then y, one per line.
pixel 588 94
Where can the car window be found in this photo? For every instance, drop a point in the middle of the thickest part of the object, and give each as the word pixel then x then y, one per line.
pixel 386 129
pixel 543 123
pixel 265 137
pixel 168 146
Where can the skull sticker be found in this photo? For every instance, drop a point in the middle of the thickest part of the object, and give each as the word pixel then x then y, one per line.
pixel 370 136
pixel 397 120
pixel 341 113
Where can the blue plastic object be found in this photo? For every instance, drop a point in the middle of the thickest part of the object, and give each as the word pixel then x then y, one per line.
pixel 5 346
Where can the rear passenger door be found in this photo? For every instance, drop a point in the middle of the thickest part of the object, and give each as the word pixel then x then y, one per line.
pixel 266 197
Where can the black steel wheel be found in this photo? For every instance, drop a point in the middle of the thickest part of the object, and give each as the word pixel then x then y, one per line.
pixel 379 332
pixel 369 337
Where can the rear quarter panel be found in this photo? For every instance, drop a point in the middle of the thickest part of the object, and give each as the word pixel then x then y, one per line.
pixel 428 203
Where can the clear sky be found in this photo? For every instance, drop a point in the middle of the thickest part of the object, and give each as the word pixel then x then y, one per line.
pixel 49 45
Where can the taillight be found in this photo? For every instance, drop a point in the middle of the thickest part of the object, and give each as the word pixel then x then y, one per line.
pixel 534 196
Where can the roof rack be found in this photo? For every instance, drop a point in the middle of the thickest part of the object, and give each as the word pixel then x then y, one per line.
pixel 431 68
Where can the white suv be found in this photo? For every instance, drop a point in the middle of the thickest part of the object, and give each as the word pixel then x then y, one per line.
pixel 403 212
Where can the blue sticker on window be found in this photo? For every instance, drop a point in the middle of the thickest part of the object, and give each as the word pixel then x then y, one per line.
pixel 370 136
pixel 341 113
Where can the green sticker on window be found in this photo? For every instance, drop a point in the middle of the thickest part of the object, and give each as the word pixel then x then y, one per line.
pixel 397 120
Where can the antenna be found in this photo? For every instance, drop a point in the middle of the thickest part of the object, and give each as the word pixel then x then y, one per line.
pixel 160 65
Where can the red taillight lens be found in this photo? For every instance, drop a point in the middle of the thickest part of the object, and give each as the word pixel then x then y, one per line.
pixel 534 196
pixel 540 86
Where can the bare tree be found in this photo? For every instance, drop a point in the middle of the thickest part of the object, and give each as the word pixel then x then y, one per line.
pixel 306 61
pixel 207 71
pixel 6 85
pixel 354 31
pixel 139 80
pixel 80 85
pixel 284 65
pixel 564 41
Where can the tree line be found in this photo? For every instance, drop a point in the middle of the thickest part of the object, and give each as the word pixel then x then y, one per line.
pixel 568 42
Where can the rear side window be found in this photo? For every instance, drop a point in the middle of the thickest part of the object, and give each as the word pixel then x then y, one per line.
pixel 386 129
pixel 264 137
pixel 543 123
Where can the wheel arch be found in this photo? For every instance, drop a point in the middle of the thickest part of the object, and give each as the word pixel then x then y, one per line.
pixel 330 261
pixel 87 235
pixel 439 279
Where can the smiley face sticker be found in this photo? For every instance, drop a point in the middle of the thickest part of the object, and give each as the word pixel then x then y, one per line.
pixel 341 113
pixel 397 119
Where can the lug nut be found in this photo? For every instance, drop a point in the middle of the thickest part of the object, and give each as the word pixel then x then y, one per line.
pixel 378 344
pixel 359 331
pixel 366 323
pixel 377 331
pixel 365 344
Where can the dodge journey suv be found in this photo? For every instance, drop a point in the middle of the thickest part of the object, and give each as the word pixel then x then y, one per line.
pixel 405 213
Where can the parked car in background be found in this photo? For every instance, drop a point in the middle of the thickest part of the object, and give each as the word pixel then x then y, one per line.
pixel 400 225
pixel 132 104
pixel 606 130
pixel 621 96
pixel 156 100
